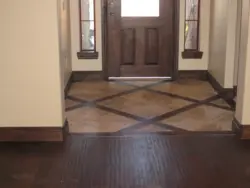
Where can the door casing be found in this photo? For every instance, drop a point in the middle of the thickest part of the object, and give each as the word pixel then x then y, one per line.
pixel 105 29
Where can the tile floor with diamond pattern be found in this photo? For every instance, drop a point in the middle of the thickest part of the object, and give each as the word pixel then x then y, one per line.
pixel 125 107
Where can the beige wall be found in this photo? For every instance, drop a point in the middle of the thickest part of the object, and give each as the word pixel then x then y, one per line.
pixel 84 65
pixel 184 64
pixel 222 41
pixel 64 38
pixel 30 68
pixel 238 41
pixel 195 64
pixel 243 93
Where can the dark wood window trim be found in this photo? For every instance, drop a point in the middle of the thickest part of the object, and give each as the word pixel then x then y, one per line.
pixel 87 54
pixel 192 53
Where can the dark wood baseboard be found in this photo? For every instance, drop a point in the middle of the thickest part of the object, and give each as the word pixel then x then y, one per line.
pixel 227 94
pixel 34 134
pixel 235 90
pixel 67 88
pixel 78 76
pixel 194 74
pixel 241 131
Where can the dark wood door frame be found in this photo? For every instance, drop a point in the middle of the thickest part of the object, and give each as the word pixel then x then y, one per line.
pixel 105 58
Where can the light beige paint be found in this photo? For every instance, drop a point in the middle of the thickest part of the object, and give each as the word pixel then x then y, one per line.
pixel 243 93
pixel 222 41
pixel 238 41
pixel 64 39
pixel 30 67
pixel 84 65
pixel 195 64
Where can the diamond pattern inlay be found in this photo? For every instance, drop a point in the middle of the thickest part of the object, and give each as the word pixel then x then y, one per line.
pixel 93 120
pixel 194 89
pixel 92 90
pixel 202 118
pixel 146 106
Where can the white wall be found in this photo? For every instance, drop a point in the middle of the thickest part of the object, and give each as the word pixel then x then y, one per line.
pixel 195 64
pixel 65 39
pixel 31 83
pixel 80 64
pixel 222 41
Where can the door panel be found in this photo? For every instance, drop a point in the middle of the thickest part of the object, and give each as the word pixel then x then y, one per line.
pixel 141 46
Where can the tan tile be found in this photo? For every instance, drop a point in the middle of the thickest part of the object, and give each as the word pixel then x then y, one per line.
pixel 92 120
pixel 92 90
pixel 203 118
pixel 191 88
pixel 141 83
pixel 145 104
pixel 220 102
pixel 152 128
pixel 70 103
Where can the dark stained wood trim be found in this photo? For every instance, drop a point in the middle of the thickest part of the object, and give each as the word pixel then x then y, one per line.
pixel 235 90
pixel 198 31
pixel 105 39
pixel 87 55
pixel 80 29
pixel 67 88
pixel 194 74
pixel 176 40
pixel 34 134
pixel 241 131
pixel 78 76
pixel 226 93
pixel 192 54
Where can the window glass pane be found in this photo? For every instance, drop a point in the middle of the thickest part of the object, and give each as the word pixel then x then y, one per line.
pixel 192 9
pixel 191 35
pixel 88 35
pixel 87 8
pixel 140 8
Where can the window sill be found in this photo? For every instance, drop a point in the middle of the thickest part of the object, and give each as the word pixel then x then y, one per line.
pixel 190 54
pixel 87 55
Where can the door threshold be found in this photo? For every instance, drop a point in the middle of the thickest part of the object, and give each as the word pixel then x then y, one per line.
pixel 140 78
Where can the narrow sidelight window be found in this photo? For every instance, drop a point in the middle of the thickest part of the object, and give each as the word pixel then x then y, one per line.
pixel 192 30
pixel 87 30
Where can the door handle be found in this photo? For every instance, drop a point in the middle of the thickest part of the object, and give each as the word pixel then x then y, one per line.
pixel 111 14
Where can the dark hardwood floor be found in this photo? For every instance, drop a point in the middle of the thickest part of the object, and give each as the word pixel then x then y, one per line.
pixel 138 161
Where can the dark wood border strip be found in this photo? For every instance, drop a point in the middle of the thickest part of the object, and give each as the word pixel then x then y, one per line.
pixel 144 121
pixel 226 94
pixel 221 107
pixel 68 86
pixel 148 88
pixel 115 95
pixel 167 115
pixel 34 134
pixel 176 96
pixel 241 131
pixel 121 113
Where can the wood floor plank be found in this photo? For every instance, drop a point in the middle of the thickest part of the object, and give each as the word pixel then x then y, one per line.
pixel 140 161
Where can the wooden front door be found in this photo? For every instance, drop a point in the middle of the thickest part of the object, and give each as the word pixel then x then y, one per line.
pixel 140 38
